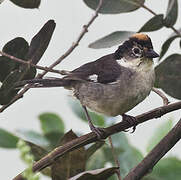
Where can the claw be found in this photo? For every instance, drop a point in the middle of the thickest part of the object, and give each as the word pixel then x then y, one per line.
pixel 131 120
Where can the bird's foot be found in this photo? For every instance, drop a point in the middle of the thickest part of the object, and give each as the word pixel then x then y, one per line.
pixel 100 132
pixel 131 120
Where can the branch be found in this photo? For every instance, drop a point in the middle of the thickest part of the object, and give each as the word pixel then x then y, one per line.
pixel 91 137
pixel 68 52
pixel 30 63
pixel 147 164
pixel 152 12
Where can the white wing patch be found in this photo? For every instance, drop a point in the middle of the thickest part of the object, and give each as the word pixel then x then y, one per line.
pixel 93 77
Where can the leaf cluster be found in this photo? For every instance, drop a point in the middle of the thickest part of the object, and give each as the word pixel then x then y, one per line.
pixel 89 162
pixel 12 71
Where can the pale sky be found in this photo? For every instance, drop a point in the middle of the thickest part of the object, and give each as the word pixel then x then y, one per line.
pixel 70 16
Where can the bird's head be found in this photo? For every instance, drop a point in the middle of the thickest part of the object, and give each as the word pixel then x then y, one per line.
pixel 137 49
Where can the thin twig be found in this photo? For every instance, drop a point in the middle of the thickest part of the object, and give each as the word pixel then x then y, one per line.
pixel 68 52
pixel 115 158
pixel 30 64
pixel 147 164
pixel 76 43
pixel 152 12
pixel 91 137
pixel 162 95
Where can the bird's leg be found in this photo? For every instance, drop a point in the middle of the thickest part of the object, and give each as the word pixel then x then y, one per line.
pixel 131 120
pixel 98 131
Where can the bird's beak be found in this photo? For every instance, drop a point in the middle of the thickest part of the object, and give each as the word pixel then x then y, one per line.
pixel 151 54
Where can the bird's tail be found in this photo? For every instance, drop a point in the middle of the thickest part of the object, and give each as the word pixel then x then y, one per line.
pixel 40 83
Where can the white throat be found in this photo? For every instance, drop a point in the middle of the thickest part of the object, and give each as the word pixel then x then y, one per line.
pixel 137 64
pixel 131 64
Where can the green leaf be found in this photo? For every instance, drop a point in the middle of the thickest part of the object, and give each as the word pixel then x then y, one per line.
pixel 17 47
pixel 128 156
pixel 40 42
pixel 171 14
pixel 166 45
pixel 78 111
pixel 167 169
pixel 73 162
pixel 7 91
pixel 160 132
pixel 97 160
pixel 11 71
pixel 7 139
pixel 54 139
pixel 33 137
pixel 51 122
pixel 115 6
pixel 153 24
pixel 27 4
pixel 110 40
pixel 93 148
pixel 168 75
pixel 97 174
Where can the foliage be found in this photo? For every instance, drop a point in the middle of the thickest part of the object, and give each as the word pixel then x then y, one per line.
pixel 11 71
pixel 86 162
pixel 89 162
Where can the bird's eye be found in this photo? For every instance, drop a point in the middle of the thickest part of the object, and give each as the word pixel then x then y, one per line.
pixel 136 51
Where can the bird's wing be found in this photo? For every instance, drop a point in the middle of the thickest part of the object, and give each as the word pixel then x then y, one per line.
pixel 104 70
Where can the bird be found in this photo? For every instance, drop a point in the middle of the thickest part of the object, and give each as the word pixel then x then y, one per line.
pixel 113 84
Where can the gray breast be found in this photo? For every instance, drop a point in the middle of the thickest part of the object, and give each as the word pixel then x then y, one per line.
pixel 115 98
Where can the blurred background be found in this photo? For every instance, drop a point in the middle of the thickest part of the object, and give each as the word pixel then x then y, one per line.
pixel 70 16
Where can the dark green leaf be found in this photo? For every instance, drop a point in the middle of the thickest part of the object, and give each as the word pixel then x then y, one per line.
pixel 167 169
pixel 40 42
pixel 51 122
pixel 166 45
pixel 11 71
pixel 33 137
pixel 73 162
pixel 168 75
pixel 153 24
pixel 27 4
pixel 78 111
pixel 17 47
pixel 115 6
pixel 7 91
pixel 160 132
pixel 6 66
pixel 171 14
pixel 97 174
pixel 7 139
pixel 112 39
